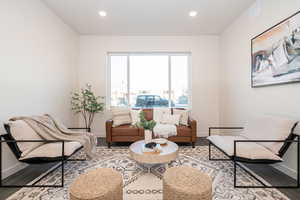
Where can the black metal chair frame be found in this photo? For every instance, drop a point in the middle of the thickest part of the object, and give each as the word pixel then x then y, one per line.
pixel 62 159
pixel 293 138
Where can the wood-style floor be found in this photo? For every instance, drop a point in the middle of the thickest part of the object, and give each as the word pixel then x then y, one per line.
pixel 269 173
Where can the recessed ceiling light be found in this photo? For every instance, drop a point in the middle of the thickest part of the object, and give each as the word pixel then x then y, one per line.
pixel 193 13
pixel 102 13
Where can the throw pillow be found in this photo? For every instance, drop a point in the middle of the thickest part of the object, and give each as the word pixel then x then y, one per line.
pixel 135 116
pixel 170 119
pixel 20 130
pixel 159 112
pixel 184 116
pixel 121 116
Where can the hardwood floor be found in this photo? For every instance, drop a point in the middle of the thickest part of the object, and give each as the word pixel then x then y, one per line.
pixel 270 174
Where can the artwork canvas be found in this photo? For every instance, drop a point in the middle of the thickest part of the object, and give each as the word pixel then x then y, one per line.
pixel 276 54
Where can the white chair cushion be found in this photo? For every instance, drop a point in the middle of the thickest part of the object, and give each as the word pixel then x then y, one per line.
pixel 249 150
pixel 170 119
pixel 121 116
pixel 184 116
pixel 297 129
pixel 52 150
pixel 20 130
pixel 269 128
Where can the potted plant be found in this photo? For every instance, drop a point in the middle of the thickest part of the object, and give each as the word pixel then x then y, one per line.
pixel 87 104
pixel 147 125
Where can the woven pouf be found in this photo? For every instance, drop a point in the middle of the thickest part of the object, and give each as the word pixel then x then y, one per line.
pixel 186 183
pixel 99 184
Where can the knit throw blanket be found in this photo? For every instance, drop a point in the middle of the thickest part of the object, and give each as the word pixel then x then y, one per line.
pixel 50 129
pixel 163 130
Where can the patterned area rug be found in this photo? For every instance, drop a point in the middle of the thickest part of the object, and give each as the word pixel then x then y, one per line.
pixel 139 184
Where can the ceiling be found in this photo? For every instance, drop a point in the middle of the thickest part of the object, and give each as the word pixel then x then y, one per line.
pixel 148 17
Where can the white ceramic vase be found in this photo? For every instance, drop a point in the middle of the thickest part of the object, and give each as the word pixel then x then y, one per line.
pixel 148 136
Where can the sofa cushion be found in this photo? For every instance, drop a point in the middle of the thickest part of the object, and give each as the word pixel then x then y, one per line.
pixel 184 130
pixel 269 128
pixel 170 119
pixel 125 130
pixel 148 113
pixel 121 116
pixel 248 150
pixel 135 116
pixel 20 130
pixel 52 150
pixel 159 112
pixel 184 116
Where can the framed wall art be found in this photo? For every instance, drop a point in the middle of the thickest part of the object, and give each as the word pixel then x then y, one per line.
pixel 276 54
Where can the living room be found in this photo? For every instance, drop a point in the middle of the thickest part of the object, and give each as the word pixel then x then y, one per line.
pixel 194 56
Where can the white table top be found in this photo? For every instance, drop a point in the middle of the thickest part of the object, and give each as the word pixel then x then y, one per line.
pixel 169 152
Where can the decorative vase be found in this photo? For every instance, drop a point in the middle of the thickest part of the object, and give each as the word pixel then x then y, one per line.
pixel 148 136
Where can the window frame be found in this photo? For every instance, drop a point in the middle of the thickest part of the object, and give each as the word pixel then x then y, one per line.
pixel 128 54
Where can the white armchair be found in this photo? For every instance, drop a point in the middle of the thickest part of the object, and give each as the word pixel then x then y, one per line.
pixel 263 140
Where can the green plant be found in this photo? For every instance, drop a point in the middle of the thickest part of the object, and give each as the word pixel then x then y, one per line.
pixel 87 104
pixel 143 123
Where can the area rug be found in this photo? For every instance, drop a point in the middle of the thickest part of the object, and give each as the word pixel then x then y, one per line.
pixel 139 184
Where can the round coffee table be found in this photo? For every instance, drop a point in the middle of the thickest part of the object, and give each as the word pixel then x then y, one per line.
pixel 169 153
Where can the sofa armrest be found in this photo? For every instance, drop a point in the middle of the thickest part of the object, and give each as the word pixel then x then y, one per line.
pixel 223 128
pixel 193 125
pixel 108 129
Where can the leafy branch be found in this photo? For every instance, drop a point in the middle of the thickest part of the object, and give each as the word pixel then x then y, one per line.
pixel 144 123
pixel 87 104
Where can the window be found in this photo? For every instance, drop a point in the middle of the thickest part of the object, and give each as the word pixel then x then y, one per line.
pixel 145 80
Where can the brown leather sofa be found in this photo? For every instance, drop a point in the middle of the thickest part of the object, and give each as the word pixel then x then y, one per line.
pixel 129 133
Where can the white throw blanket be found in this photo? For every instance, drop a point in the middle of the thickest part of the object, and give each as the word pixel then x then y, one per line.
pixel 50 129
pixel 165 130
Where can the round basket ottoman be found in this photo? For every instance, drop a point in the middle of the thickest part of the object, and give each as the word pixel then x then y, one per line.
pixel 99 184
pixel 180 183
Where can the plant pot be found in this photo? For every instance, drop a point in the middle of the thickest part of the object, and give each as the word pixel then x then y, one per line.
pixel 148 136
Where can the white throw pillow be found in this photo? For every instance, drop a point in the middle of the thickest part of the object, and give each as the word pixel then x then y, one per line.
pixel 120 116
pixel 159 112
pixel 269 128
pixel 184 116
pixel 20 130
pixel 135 116
pixel 170 119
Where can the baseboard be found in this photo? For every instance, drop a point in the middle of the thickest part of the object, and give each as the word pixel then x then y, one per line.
pixel 13 169
pixel 199 134
pixel 285 169
pixel 202 134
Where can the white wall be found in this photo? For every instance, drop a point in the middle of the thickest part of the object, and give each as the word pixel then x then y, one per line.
pixel 205 71
pixel 238 101
pixel 38 58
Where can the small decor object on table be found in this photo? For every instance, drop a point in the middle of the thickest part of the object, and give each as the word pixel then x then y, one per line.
pixel 147 125
pixel 148 136
pixel 87 104
pixel 161 141
pixel 165 155
pixel 152 147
